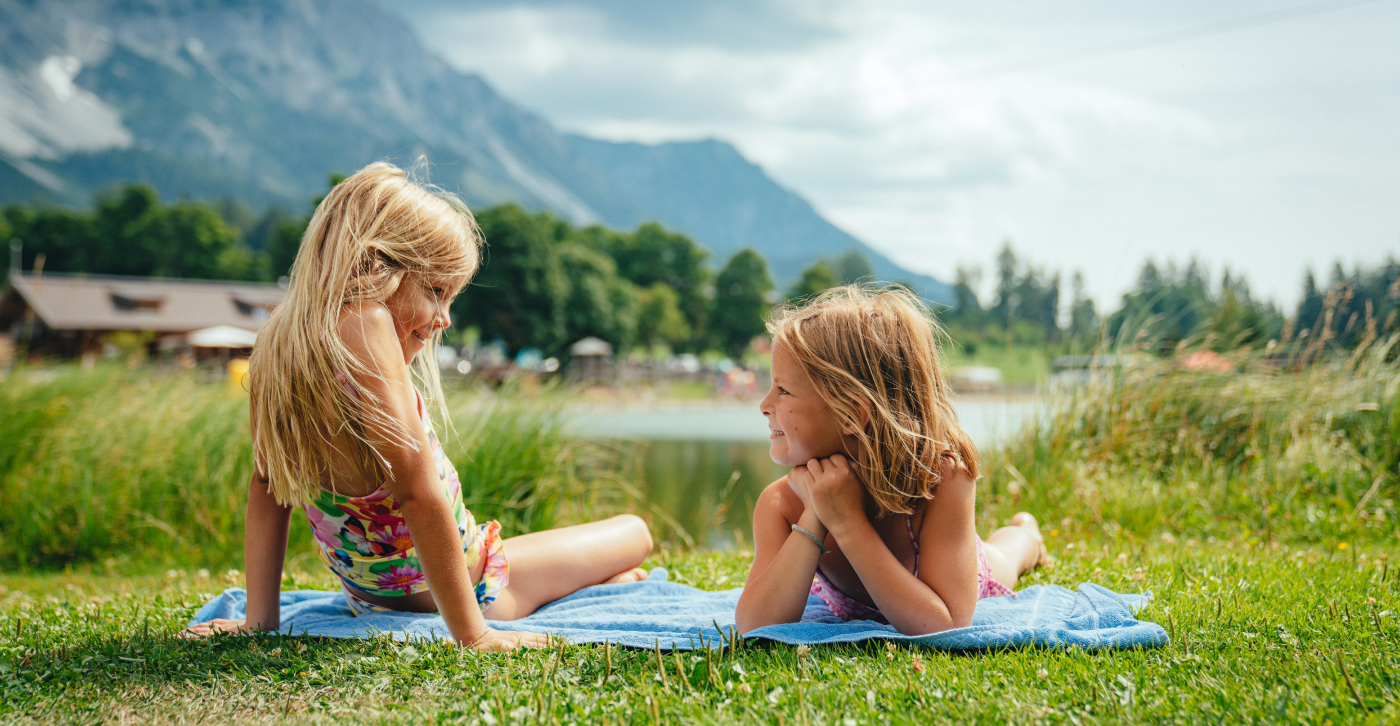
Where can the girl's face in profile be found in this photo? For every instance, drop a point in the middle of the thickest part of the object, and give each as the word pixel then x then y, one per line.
pixel 420 308
pixel 801 426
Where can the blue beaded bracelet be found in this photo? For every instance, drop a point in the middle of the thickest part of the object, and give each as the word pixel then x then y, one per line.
pixel 813 537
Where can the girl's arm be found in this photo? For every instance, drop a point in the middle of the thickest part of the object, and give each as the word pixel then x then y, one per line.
pixel 265 529
pixel 368 330
pixel 784 560
pixel 944 594
pixel 264 553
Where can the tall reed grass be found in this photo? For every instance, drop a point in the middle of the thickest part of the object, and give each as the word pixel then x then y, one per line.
pixel 119 464
pixel 131 464
pixel 1259 452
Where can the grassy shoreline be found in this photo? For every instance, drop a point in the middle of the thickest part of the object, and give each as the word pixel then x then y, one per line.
pixel 1259 507
pixel 1258 634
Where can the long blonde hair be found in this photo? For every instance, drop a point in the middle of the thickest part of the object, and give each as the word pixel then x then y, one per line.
pixel 874 352
pixel 373 230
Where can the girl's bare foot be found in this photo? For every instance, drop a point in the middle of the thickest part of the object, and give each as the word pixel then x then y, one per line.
pixel 1026 521
pixel 635 574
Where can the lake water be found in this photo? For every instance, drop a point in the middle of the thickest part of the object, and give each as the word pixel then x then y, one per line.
pixel 702 466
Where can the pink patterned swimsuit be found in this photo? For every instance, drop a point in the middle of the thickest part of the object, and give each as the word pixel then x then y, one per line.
pixel 366 543
pixel 842 606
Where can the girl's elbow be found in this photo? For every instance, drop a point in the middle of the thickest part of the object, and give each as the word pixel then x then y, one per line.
pixel 934 623
pixel 749 618
pixel 916 629
pixel 744 623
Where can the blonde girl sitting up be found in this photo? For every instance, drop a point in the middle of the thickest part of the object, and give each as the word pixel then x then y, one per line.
pixel 876 516
pixel 341 431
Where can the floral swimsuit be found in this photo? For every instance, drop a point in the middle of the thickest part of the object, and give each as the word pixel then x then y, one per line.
pixel 366 543
pixel 847 608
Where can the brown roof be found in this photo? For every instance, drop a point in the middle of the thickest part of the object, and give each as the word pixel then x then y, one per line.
pixel 108 302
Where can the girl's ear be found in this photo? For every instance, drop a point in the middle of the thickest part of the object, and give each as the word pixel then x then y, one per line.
pixel 864 407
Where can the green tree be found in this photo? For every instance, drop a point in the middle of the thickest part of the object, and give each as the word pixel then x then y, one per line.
pixel 1309 312
pixel 284 232
pixel 740 304
pixel 520 293
pixel 659 318
pixel 1038 300
pixel 1083 316
pixel 967 310
pixel 1237 321
pixel 283 244
pixel 652 254
pixel 260 233
pixel 1354 308
pixel 1028 299
pixel 122 216
pixel 1162 311
pixel 599 303
pixel 187 240
pixel 1007 299
pixel 66 239
pixel 853 267
pixel 816 279
pixel 6 234
pixel 131 233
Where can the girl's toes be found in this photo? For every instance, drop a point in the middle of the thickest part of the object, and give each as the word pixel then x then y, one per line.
pixel 1045 560
pixel 635 574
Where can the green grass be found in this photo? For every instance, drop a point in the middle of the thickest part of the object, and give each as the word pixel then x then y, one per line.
pixel 1259 507
pixel 1023 366
pixel 1258 635
pixel 131 465
pixel 1263 455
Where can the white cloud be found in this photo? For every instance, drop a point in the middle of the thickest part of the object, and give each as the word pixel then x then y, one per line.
pixel 1265 150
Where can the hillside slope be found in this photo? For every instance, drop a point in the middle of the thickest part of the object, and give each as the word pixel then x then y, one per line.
pixel 259 100
pixel 710 191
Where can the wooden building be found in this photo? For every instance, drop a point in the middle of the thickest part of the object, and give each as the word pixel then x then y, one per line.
pixel 72 315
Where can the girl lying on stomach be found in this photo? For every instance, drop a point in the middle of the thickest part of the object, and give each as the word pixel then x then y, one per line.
pixel 876 516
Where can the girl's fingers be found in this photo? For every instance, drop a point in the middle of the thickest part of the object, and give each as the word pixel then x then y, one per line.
pixel 497 640
pixel 526 640
pixel 218 625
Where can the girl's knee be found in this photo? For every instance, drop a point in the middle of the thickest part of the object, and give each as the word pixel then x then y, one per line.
pixel 637 533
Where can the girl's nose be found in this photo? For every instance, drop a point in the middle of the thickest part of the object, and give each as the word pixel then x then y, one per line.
pixel 443 318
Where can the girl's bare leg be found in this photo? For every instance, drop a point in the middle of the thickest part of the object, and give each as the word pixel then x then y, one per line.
pixel 545 566
pixel 1015 549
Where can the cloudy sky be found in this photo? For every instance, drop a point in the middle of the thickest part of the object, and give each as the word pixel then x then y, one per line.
pixel 1262 135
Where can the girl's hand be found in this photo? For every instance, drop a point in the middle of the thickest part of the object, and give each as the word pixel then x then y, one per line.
pixel 799 480
pixel 218 625
pixel 835 491
pixel 494 640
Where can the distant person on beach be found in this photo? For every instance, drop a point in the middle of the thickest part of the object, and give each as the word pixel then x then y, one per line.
pixel 876 516
pixel 341 431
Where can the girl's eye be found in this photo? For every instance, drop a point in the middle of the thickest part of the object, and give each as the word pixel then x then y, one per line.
pixel 438 292
pixel 783 391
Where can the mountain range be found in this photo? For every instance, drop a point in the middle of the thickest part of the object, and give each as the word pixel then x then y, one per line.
pixel 259 100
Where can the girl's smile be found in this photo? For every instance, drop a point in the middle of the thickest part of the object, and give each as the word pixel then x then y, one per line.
pixel 420 308
pixel 801 426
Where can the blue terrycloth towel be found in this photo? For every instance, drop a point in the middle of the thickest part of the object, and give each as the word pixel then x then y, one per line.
pixel 641 614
